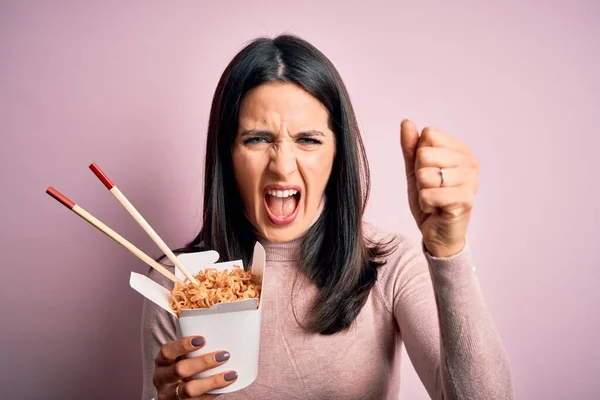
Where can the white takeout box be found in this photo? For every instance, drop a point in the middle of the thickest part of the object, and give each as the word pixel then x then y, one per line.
pixel 232 326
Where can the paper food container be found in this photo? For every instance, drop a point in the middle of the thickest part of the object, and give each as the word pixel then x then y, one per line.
pixel 232 326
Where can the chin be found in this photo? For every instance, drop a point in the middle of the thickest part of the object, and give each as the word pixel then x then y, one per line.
pixel 279 234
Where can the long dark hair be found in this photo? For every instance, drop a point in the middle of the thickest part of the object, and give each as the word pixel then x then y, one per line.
pixel 334 253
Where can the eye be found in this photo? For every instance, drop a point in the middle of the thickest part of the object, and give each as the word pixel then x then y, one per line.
pixel 255 140
pixel 309 140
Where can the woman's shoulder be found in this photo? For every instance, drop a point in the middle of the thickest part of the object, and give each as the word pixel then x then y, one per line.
pixel 402 259
pixel 397 244
pixel 160 278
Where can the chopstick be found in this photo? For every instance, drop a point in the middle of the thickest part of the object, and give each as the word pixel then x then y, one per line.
pixel 141 221
pixel 110 233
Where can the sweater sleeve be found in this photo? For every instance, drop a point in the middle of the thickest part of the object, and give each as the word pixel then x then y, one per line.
pixel 158 327
pixel 447 330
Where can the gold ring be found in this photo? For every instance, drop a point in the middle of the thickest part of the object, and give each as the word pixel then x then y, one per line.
pixel 442 176
pixel 177 395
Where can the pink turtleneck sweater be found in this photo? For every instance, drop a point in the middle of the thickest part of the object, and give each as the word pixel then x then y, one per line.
pixel 432 306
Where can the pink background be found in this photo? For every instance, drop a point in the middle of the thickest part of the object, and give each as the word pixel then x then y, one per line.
pixel 129 87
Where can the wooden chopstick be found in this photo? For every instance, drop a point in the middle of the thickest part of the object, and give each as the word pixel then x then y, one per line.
pixel 110 233
pixel 141 221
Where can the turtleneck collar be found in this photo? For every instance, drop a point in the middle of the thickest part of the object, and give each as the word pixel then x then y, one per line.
pixel 287 251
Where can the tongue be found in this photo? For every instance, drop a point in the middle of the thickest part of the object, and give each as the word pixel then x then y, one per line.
pixel 281 207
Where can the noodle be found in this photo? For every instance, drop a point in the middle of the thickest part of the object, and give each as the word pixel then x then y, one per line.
pixel 215 287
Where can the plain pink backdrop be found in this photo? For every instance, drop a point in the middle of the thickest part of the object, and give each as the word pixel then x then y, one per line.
pixel 129 86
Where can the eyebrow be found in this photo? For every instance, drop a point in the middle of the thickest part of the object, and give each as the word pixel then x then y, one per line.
pixel 263 132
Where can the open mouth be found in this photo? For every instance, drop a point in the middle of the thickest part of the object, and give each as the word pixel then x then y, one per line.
pixel 281 203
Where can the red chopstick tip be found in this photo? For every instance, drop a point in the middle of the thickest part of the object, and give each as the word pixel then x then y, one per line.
pixel 64 200
pixel 102 176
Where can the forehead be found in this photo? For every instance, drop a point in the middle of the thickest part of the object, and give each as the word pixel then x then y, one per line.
pixel 281 103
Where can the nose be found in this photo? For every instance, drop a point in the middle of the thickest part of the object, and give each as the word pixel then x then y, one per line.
pixel 283 161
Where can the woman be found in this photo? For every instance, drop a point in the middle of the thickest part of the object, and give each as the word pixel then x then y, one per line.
pixel 285 165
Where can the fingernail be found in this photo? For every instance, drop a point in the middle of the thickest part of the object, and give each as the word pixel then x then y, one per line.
pixel 198 342
pixel 222 356
pixel 230 376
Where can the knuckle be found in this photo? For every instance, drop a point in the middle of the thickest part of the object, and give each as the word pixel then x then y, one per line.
pixel 180 370
pixel 163 353
pixel 423 155
pixel 466 204
pixel 186 391
pixel 471 161
pixel 472 177
pixel 471 200
pixel 209 360
pixel 218 381
pixel 421 175
pixel 427 132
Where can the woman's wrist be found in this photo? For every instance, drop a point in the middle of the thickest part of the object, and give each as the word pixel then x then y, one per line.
pixel 443 251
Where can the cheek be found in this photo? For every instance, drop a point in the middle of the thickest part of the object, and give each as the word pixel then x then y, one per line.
pixel 317 170
pixel 247 175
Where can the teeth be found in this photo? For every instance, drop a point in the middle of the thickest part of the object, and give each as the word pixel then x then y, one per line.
pixel 282 193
